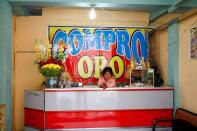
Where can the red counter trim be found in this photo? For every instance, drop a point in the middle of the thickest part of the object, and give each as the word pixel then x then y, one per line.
pixel 71 111
pixel 34 118
pixel 103 119
pixel 83 90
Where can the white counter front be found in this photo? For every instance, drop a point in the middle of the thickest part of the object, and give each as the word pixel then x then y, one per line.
pixel 95 108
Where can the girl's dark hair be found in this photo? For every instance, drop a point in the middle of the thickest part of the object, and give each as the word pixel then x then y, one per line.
pixel 107 69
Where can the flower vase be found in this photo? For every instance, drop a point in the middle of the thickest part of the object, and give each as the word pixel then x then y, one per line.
pixel 52 82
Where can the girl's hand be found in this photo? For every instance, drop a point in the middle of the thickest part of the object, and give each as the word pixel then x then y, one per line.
pixel 104 86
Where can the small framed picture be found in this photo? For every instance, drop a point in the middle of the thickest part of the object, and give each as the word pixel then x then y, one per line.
pixel 193 43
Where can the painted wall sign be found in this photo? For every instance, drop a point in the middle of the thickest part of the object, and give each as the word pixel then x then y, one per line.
pixel 90 49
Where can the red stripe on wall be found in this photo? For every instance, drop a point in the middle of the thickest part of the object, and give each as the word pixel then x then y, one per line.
pixel 34 118
pixel 101 119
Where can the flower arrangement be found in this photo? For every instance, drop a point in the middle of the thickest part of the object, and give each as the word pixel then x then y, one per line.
pixel 50 59
pixel 51 70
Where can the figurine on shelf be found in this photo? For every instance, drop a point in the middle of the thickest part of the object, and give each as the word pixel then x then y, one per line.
pixel 139 66
pixel 148 64
pixel 133 63
pixel 143 63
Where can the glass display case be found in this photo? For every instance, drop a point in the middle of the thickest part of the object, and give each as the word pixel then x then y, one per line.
pixel 141 75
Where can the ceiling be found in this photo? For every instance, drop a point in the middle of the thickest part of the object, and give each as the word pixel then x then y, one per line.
pixel 156 8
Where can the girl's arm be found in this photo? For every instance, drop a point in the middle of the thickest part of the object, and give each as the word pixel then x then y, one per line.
pixel 112 83
pixel 101 83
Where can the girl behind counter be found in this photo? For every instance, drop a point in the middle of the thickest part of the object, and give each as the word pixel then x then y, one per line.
pixel 107 79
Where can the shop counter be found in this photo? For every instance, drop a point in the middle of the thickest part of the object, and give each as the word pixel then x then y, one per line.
pixel 82 108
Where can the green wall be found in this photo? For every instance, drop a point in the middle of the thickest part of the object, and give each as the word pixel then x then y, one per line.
pixel 6 59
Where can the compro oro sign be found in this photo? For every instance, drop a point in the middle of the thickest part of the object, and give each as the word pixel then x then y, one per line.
pixel 90 49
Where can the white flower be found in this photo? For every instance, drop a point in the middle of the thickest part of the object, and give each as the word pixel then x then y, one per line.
pixel 67 51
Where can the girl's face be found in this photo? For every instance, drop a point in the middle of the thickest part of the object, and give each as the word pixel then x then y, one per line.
pixel 107 75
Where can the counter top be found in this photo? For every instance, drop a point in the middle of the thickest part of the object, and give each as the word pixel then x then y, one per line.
pixel 107 89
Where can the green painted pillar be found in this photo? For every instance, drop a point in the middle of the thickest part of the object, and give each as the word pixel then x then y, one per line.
pixel 173 59
pixel 6 59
